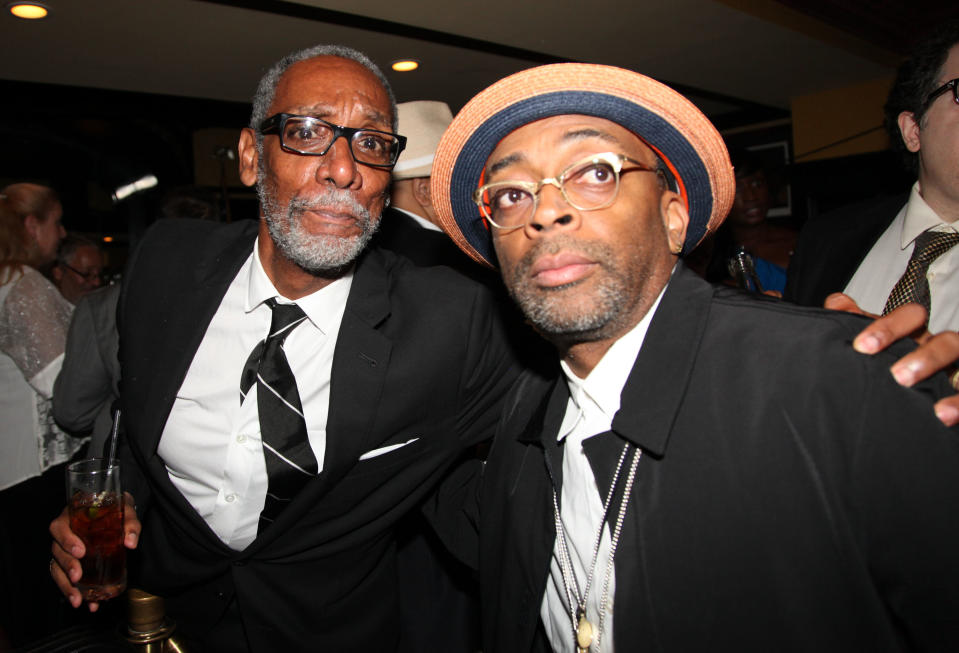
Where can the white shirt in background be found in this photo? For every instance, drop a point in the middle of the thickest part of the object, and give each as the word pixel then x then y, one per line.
pixel 886 262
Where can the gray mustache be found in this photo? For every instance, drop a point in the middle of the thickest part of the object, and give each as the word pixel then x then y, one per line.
pixel 334 200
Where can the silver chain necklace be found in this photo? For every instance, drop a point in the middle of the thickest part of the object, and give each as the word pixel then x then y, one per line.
pixel 582 628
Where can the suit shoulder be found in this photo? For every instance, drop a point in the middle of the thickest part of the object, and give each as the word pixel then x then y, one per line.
pixel 873 213
pixel 172 241
pixel 766 322
pixel 439 280
pixel 192 233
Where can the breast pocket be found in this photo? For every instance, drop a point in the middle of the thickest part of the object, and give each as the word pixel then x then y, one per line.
pixel 381 451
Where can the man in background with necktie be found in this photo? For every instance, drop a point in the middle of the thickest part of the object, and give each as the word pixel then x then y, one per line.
pixel 888 254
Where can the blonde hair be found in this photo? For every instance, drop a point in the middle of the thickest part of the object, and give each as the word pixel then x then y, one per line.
pixel 17 202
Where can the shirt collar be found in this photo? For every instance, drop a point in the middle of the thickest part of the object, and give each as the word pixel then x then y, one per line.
pixel 323 307
pixel 919 218
pixel 603 386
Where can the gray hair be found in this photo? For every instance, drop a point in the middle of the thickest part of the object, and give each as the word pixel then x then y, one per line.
pixel 266 89
pixel 69 246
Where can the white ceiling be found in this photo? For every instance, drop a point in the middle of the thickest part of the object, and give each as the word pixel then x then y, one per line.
pixel 218 51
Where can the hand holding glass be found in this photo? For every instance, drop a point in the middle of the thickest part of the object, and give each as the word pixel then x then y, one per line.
pixel 96 517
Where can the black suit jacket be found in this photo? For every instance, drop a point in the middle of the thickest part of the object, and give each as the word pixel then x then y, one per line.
pixel 790 497
pixel 832 246
pixel 419 355
pixel 400 233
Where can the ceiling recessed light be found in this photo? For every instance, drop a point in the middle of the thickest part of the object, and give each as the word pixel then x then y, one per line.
pixel 28 10
pixel 405 65
pixel 108 239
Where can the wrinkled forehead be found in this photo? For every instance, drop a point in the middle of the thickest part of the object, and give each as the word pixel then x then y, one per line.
pixel 324 86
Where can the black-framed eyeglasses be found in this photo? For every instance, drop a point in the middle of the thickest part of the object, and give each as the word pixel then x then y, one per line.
pixel 89 277
pixel 951 84
pixel 588 185
pixel 313 136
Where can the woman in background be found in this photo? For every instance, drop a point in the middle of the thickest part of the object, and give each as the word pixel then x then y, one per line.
pixel 747 238
pixel 33 325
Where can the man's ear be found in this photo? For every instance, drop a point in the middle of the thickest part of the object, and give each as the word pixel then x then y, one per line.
pixel 909 129
pixel 675 219
pixel 424 197
pixel 421 191
pixel 248 156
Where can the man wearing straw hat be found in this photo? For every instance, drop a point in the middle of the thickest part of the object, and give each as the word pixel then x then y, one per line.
pixel 409 225
pixel 702 470
pixel 423 123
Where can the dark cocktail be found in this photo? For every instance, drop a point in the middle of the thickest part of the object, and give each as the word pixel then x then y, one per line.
pixel 96 516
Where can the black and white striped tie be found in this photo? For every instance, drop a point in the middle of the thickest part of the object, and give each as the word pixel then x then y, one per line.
pixel 290 462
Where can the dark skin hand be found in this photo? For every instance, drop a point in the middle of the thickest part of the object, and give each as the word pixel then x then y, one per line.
pixel 935 353
pixel 68 549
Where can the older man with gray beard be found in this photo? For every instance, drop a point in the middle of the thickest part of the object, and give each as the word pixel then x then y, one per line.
pixel 289 395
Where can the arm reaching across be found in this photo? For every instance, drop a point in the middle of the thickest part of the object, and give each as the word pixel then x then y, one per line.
pixel 936 352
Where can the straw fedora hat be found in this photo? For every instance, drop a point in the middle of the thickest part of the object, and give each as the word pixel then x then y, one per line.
pixel 667 122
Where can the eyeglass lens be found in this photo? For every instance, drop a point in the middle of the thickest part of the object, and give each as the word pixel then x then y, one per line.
pixel 310 135
pixel 587 186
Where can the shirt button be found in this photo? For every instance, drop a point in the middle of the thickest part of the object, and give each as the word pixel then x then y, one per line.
pixel 241 438
pixel 230 498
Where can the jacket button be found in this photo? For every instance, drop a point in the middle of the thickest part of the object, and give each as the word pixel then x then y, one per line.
pixel 239 563
pixel 220 595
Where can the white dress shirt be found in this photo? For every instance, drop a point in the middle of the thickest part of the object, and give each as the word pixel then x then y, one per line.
pixel 886 262
pixel 211 443
pixel 592 404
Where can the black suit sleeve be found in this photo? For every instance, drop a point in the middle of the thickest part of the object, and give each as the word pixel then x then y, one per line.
pixel 905 489
pixel 84 382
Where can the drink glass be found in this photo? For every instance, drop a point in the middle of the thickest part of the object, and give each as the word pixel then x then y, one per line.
pixel 96 517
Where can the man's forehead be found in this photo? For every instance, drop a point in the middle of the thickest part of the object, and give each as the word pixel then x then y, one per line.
pixel 329 109
pixel 322 85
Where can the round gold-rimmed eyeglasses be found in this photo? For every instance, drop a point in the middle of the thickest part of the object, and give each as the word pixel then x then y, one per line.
pixel 588 185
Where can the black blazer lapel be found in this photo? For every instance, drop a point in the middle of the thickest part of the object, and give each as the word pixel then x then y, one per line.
pixel 183 333
pixel 538 409
pixel 173 288
pixel 360 364
pixel 657 384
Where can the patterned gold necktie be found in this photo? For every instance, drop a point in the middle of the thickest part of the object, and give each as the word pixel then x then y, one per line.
pixel 913 285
